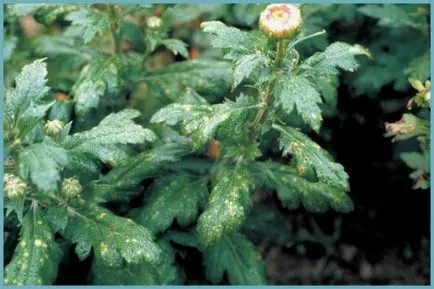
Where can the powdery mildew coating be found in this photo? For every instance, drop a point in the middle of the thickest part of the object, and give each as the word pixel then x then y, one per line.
pixel 280 20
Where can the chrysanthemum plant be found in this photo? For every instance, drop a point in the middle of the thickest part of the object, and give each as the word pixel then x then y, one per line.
pixel 411 126
pixel 193 201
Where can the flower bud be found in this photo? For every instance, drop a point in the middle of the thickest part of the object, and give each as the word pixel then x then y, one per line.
pixel 14 187
pixel 54 127
pixel 280 21
pixel 71 188
pixel 153 22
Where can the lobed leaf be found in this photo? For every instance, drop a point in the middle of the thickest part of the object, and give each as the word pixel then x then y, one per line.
pixel 100 78
pixel 123 181
pixel 336 55
pixel 163 204
pixel 236 256
pixel 106 141
pixel 297 92
pixel 113 238
pixel 201 122
pixel 176 46
pixel 90 22
pixel 35 260
pixel 308 155
pixel 292 189
pixel 142 273
pixel 25 105
pixel 227 205
pixel 244 66
pixel 41 162
pixel 224 36
pixel 206 77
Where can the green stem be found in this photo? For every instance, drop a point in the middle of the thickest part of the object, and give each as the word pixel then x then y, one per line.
pixel 280 52
pixel 265 94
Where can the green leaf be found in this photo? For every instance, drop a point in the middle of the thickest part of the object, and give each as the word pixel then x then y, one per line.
pixel 41 162
pixel 25 104
pixel 90 22
pixel 297 92
pixel 142 273
pixel 206 77
pixel 162 205
pixel 200 122
pixel 267 224
pixel 391 15
pixel 100 78
pixel 113 238
pixel 123 181
pixel 61 45
pixel 420 67
pixel 130 274
pixel 292 189
pixel 35 260
pixel 49 13
pixel 224 36
pixel 236 256
pixel 57 217
pixel 227 205
pixel 106 141
pixel 176 46
pixel 308 155
pixel 245 66
pixel 184 238
pixel 15 205
pixel 416 160
pixel 336 55
pixel 420 163
pixel 82 250
pixel 235 42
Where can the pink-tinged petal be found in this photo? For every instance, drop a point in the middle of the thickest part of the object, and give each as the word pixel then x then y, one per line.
pixel 280 20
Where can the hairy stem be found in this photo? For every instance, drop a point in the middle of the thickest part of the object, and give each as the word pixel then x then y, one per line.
pixel 265 93
pixel 280 52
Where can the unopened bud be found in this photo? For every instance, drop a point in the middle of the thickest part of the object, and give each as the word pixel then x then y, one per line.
pixel 54 127
pixel 14 187
pixel 280 21
pixel 71 188
pixel 153 22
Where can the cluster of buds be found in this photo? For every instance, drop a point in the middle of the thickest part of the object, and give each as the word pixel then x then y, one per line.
pixel 280 21
pixel 71 188
pixel 54 127
pixel 153 22
pixel 14 187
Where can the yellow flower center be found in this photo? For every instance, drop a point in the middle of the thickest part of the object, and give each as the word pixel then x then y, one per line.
pixel 280 15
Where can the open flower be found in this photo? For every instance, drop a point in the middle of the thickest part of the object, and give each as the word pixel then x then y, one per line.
pixel 280 21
